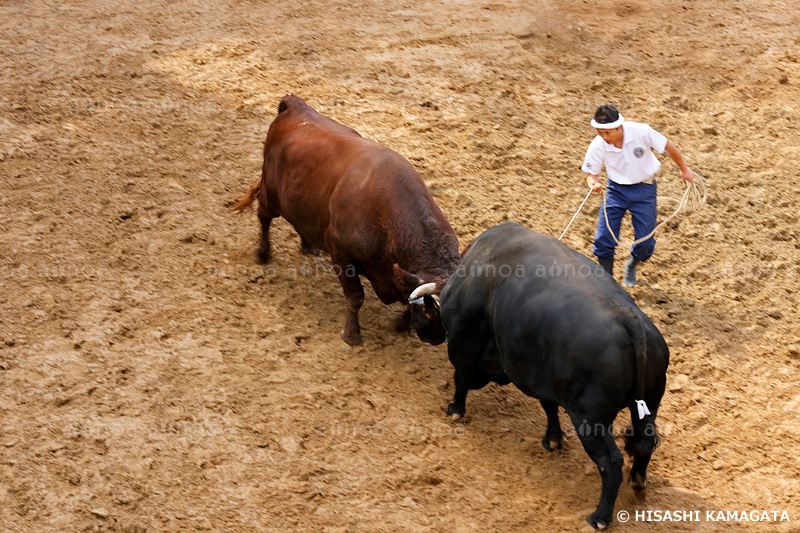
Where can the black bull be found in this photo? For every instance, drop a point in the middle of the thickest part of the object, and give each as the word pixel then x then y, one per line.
pixel 526 309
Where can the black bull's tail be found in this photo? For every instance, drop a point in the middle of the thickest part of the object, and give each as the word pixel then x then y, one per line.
pixel 633 324
pixel 643 438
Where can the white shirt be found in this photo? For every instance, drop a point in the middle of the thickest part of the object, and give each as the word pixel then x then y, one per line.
pixel 631 164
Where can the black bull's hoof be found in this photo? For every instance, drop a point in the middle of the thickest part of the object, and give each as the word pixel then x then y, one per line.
pixel 455 411
pixel 598 523
pixel 638 481
pixel 550 444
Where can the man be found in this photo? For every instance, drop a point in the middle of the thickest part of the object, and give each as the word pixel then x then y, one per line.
pixel 625 149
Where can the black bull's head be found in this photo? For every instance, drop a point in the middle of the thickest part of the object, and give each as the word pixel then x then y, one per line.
pixel 425 317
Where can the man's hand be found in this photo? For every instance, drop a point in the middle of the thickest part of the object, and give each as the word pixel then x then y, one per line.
pixel 594 183
pixel 686 174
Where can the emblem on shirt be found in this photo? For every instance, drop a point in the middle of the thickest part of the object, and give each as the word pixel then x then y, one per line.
pixel 638 152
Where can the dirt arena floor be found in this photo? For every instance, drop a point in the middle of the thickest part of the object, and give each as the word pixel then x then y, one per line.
pixel 154 378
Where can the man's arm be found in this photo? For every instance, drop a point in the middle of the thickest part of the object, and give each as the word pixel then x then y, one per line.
pixel 672 150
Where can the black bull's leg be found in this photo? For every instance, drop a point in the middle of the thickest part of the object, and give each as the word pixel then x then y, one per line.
pixel 598 441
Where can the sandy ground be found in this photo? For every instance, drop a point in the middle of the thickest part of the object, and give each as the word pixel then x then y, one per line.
pixel 154 378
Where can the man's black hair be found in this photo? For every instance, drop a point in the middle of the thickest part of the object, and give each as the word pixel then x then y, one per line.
pixel 606 114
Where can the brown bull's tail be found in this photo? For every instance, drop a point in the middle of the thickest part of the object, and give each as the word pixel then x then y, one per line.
pixel 245 201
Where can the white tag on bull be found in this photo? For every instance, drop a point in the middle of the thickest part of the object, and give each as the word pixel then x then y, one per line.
pixel 642 408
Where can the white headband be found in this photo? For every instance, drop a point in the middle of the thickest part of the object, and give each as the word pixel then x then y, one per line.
pixel 610 125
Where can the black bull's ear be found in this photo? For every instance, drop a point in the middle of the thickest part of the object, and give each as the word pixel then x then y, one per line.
pixel 432 304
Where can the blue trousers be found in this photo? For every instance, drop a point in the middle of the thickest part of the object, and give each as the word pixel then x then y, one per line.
pixel 640 200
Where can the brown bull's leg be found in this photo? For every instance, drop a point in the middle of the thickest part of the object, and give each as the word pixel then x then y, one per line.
pixel 354 297
pixel 263 252
pixel 308 248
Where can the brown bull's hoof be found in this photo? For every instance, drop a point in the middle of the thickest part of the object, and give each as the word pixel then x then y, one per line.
pixel 262 256
pixel 352 339
pixel 308 248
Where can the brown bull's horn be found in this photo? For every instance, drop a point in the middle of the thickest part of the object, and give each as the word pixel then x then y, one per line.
pixel 422 290
pixel 421 301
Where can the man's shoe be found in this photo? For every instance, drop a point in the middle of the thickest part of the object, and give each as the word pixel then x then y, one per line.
pixel 630 272
pixel 608 264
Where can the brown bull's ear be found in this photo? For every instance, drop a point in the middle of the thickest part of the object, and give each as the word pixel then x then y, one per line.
pixel 406 282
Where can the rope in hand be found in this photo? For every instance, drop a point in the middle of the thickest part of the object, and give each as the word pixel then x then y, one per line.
pixel 576 214
pixel 693 198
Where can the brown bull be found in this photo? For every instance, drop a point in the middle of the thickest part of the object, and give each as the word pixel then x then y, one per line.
pixel 362 203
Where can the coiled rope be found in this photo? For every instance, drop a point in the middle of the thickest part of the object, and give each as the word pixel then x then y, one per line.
pixel 692 199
